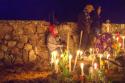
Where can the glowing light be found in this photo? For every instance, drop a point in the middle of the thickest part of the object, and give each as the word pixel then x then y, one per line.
pixel 79 52
pixel 56 65
pixel 108 56
pixel 95 65
pixel 53 56
pixel 70 59
pixel 82 69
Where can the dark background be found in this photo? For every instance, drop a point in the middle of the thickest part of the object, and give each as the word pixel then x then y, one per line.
pixel 65 10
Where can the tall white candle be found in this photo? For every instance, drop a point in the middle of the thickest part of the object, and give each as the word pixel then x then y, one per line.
pixel 53 57
pixel 56 65
pixel 82 69
pixel 108 56
pixel 91 51
pixel 70 64
pixel 100 55
pixel 77 54
pixel 117 39
pixel 95 65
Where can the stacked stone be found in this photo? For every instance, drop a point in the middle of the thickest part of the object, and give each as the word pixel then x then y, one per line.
pixel 23 41
pixel 6 43
pixel 113 28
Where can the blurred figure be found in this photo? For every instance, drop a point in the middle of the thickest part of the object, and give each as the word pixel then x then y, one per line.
pixel 96 24
pixel 84 24
pixel 53 40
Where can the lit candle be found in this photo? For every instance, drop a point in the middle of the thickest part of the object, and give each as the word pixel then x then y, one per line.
pixel 91 50
pixel 53 57
pixel 81 53
pixel 117 39
pixel 108 56
pixel 100 60
pixel 82 69
pixel 97 50
pixel 100 56
pixel 70 64
pixel 77 54
pixel 95 66
pixel 56 65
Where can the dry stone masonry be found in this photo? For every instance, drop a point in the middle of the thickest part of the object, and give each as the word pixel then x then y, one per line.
pixel 24 41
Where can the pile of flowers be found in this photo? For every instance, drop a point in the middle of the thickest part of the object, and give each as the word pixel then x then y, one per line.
pixel 104 42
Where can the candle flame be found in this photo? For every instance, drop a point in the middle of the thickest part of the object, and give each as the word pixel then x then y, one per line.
pixel 117 38
pixel 81 66
pixel 101 56
pixel 54 53
pixel 123 37
pixel 57 61
pixel 108 56
pixel 70 56
pixel 79 52
pixel 90 49
pixel 95 65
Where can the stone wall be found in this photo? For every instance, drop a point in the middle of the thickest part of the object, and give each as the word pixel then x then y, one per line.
pixel 24 41
pixel 113 28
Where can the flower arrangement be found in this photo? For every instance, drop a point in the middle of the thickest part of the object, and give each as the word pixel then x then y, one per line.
pixel 104 42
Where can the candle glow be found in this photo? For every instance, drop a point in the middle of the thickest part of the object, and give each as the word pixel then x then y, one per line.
pixel 79 52
pixel 53 57
pixel 56 65
pixel 70 59
pixel 95 65
pixel 82 67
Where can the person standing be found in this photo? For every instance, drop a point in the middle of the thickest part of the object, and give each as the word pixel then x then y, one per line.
pixel 96 24
pixel 53 40
pixel 84 24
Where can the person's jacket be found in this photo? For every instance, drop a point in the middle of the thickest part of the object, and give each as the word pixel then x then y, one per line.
pixel 84 21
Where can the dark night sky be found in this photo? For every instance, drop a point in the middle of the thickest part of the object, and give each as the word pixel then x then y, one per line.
pixel 65 10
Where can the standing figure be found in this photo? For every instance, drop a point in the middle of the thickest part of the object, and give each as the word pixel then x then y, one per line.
pixel 53 40
pixel 96 24
pixel 84 24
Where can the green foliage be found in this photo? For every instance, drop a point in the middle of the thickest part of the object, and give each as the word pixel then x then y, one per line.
pixel 66 73
pixel 63 64
pixel 101 75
